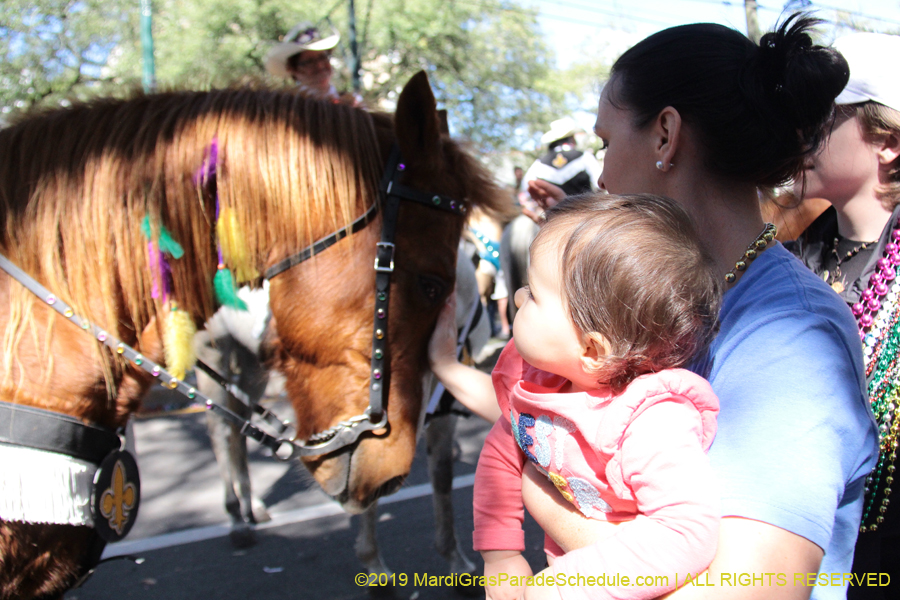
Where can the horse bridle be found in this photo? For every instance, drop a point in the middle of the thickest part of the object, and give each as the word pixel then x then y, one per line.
pixel 346 432
pixel 391 192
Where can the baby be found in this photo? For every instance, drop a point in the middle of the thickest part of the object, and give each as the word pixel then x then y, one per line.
pixel 592 394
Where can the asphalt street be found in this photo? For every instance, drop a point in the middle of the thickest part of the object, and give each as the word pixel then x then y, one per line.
pixel 306 551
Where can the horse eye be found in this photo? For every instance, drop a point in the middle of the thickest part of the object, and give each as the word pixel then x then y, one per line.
pixel 432 288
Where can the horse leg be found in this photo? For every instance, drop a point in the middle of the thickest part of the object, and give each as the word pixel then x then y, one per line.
pixel 366 545
pixel 253 380
pixel 439 443
pixel 224 436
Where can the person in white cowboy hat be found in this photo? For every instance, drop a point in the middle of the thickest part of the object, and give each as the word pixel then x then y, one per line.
pixel 305 57
pixel 563 164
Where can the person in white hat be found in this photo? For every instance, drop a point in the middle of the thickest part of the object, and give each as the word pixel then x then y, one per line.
pixel 853 247
pixel 563 164
pixel 305 57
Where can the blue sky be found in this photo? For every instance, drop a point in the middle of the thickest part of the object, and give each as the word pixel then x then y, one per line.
pixel 574 26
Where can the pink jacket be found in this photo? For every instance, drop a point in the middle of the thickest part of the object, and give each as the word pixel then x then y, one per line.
pixel 639 456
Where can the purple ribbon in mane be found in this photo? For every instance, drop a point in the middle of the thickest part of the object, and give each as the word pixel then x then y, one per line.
pixel 161 271
pixel 207 172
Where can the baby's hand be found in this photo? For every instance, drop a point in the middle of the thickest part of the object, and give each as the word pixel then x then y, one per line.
pixel 508 563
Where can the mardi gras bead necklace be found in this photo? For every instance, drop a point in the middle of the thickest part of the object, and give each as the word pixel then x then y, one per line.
pixel 761 242
pixel 878 316
pixel 833 276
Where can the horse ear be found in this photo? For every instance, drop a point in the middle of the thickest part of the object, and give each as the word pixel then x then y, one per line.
pixel 416 121
pixel 442 117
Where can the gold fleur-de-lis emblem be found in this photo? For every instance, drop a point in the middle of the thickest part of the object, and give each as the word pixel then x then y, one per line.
pixel 118 500
pixel 560 161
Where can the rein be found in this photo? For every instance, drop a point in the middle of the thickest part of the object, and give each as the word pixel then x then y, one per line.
pixel 346 432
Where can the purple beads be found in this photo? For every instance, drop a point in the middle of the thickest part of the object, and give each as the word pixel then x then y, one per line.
pixel 858 309
pixel 866 320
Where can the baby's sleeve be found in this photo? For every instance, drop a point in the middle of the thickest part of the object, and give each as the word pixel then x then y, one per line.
pixel 498 508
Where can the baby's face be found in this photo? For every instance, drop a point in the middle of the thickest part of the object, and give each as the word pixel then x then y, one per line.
pixel 544 334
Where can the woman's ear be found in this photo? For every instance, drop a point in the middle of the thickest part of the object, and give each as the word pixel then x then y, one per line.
pixel 667 130
pixel 593 348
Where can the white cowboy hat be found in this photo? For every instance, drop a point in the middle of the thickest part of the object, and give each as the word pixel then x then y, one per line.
pixel 559 129
pixel 872 58
pixel 304 36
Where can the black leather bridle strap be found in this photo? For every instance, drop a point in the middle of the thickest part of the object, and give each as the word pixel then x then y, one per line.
pixel 384 267
pixel 242 397
pixel 391 194
pixel 322 244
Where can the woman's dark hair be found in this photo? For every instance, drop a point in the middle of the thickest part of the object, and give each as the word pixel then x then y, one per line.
pixel 760 110
pixel 633 271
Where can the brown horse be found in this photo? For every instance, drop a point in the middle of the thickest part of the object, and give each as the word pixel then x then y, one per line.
pixel 76 186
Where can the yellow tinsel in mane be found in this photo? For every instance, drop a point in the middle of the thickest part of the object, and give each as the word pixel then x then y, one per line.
pixel 234 250
pixel 178 341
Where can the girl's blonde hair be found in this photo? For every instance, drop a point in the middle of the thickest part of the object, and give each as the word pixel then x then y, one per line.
pixel 877 121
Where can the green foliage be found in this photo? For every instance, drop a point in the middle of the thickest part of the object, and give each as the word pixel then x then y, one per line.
pixel 487 61
pixel 53 50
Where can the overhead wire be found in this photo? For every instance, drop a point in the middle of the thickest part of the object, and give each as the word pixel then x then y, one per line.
pixel 856 13
pixel 542 10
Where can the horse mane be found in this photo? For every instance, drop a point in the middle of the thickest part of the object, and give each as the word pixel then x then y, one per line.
pixel 77 183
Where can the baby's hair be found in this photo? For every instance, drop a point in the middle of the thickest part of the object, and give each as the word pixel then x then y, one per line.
pixel 633 271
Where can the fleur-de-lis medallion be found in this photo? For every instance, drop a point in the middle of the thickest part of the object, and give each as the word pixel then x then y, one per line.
pixel 117 491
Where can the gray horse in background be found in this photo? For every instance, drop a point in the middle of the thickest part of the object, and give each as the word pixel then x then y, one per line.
pixel 230 345
pixel 514 256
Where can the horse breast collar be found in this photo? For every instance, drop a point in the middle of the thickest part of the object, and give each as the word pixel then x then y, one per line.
pixel 63 471
pixel 390 194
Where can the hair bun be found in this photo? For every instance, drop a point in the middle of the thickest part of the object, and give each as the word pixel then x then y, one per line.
pixel 800 79
pixel 759 110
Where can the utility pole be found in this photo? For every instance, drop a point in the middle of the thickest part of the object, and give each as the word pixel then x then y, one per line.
pixel 149 78
pixel 354 49
pixel 752 23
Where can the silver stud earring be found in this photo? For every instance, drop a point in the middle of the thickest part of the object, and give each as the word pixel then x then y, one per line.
pixel 659 165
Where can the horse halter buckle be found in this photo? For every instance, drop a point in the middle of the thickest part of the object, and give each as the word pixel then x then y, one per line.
pixel 389 252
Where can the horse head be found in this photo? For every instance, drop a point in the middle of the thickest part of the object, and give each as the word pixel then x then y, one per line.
pixel 323 309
